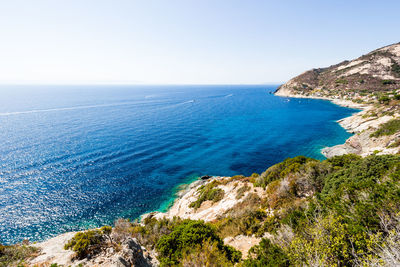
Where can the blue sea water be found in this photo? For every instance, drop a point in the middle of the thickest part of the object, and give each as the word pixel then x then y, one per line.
pixel 73 157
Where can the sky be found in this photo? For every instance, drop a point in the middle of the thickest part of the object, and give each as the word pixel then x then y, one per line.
pixel 186 41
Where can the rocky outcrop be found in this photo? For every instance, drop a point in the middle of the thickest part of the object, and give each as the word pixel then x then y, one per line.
pixel 376 71
pixel 361 143
pixel 128 253
pixel 209 210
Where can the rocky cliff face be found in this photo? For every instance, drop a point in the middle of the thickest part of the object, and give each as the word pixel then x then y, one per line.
pixel 376 71
pixel 128 253
pixel 370 82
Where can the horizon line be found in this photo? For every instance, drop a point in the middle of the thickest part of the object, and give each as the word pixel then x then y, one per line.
pixel 139 84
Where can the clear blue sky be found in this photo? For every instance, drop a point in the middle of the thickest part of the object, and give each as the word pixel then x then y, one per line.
pixel 185 41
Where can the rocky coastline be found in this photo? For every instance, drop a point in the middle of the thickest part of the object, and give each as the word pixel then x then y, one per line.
pixel 360 143
pixel 370 83
pixel 359 124
pixel 267 199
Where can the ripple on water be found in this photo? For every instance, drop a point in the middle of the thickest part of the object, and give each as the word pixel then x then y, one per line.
pixel 122 154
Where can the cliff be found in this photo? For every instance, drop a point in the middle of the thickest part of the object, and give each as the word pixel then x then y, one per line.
pixel 371 83
pixel 377 71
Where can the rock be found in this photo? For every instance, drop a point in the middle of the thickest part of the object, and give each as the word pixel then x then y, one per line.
pixel 119 261
pixel 205 177
pixel 132 254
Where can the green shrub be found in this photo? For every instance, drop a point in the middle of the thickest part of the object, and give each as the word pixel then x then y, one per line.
pixel 344 160
pixel 323 244
pixel 384 99
pixel 341 81
pixel 280 170
pixel 387 82
pixel 359 192
pixel 241 191
pixel 88 242
pixel 388 128
pixel 244 218
pixel 238 177
pixel 266 254
pixel 16 255
pixel 205 254
pixel 151 230
pixel 186 236
pixel 271 224
pixel 395 144
pixel 208 192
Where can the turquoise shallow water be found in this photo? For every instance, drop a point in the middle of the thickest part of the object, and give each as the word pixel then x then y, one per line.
pixel 73 157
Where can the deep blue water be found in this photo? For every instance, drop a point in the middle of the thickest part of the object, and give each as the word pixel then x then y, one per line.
pixel 73 157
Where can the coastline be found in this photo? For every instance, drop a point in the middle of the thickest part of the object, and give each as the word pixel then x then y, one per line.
pixel 360 124
pixel 187 192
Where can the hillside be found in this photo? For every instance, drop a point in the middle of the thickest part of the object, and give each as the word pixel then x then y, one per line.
pixel 301 212
pixel 371 83
pixel 377 71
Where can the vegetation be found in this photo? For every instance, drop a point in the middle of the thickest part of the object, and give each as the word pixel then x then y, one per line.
pixel 387 128
pixel 242 190
pixel 280 170
pixel 384 99
pixel 193 234
pixel 386 82
pixel 205 254
pixel 396 69
pixel 266 254
pixel 208 192
pixel 343 211
pixel 341 225
pixel 244 218
pixel 88 242
pixel 341 81
pixel 16 255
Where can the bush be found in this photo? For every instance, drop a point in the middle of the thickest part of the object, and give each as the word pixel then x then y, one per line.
pixel 241 191
pixel 205 254
pixel 325 243
pixel 344 160
pixel 280 170
pixel 387 82
pixel 16 255
pixel 388 128
pixel 208 192
pixel 186 236
pixel 88 242
pixel 341 81
pixel 152 230
pixel 384 99
pixel 266 254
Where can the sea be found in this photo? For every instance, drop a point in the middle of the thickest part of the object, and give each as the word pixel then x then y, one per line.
pixel 77 157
